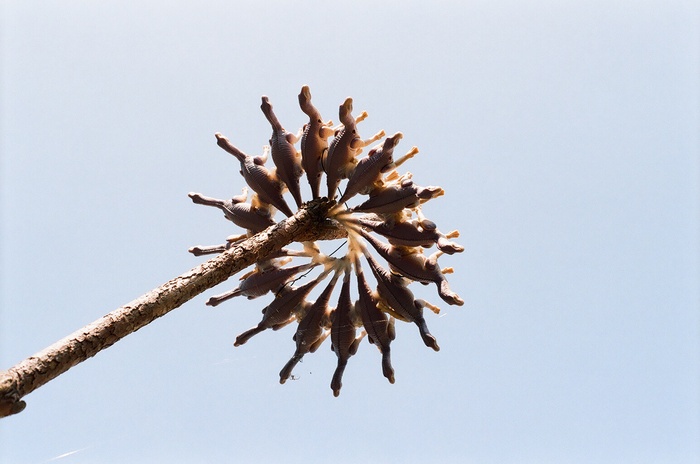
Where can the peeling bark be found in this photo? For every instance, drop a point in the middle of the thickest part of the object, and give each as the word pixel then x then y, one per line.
pixel 308 224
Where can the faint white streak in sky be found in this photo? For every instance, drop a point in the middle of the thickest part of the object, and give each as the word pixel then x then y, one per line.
pixel 65 455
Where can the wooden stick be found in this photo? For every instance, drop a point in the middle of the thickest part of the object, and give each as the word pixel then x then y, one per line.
pixel 308 224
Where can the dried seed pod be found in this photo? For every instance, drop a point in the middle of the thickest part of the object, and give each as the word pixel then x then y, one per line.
pixel 268 277
pixel 396 196
pixel 314 141
pixel 410 233
pixel 415 266
pixel 281 311
pixel 312 329
pixel 368 169
pixel 344 340
pixel 237 211
pixel 284 155
pixel 399 301
pixel 345 147
pixel 208 250
pixel 256 175
pixel 379 327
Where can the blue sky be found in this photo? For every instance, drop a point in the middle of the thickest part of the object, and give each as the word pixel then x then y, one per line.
pixel 565 135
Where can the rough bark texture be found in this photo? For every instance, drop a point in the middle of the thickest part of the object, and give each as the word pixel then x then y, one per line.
pixel 309 223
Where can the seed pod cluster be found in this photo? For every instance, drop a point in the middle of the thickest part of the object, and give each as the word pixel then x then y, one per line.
pixel 386 229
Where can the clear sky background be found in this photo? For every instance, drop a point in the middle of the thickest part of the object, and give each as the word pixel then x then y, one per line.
pixel 564 133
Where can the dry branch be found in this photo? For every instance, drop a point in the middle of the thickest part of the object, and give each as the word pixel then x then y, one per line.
pixel 308 224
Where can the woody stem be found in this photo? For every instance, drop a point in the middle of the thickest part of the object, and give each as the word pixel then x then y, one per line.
pixel 308 224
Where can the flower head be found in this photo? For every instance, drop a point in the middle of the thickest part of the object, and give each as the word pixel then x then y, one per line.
pixel 391 210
